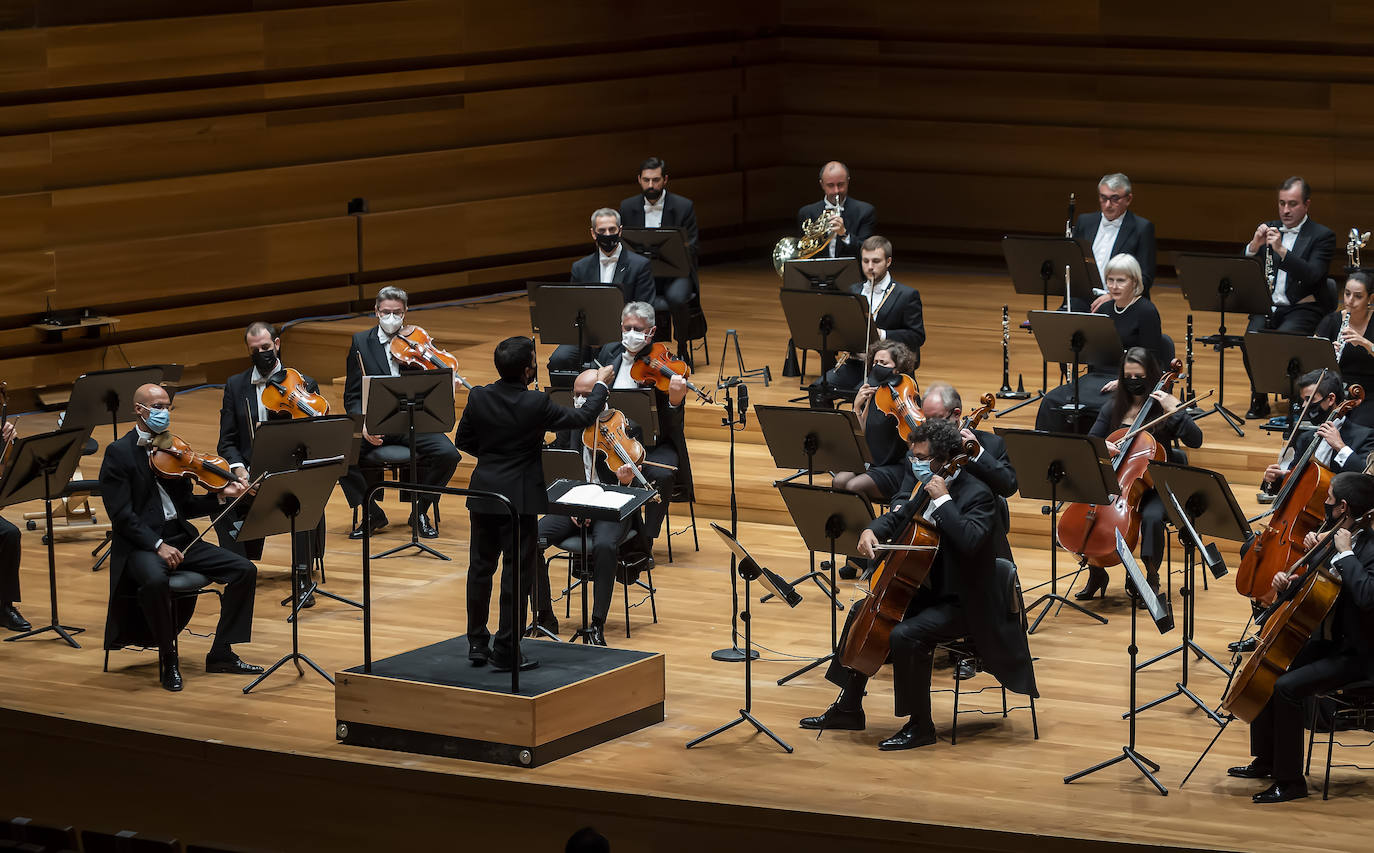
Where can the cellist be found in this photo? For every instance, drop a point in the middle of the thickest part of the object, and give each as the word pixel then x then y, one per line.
pixel 960 599
pixel 1341 651
pixel 1344 443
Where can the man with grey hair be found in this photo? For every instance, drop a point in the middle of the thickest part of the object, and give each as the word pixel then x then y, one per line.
pixel 436 457
pixel 1116 230
pixel 609 263
pixel 855 223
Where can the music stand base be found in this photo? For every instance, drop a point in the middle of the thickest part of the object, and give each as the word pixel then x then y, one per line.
pixel 734 654
pixel 1146 767
pixel 1233 420
pixel 816 577
pixel 744 717
pixel 1030 398
pixel 1179 690
pixel 63 631
pixel 810 666
pixel 296 658
pixel 414 543
pixel 1049 599
pixel 315 590
pixel 1198 651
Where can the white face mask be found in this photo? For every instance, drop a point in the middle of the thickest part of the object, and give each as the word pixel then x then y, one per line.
pixel 391 323
pixel 578 400
pixel 633 339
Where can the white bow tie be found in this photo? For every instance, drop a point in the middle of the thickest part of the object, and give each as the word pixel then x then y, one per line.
pixel 1290 230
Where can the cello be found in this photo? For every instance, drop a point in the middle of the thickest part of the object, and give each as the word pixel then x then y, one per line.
pixel 1299 509
pixel 1089 530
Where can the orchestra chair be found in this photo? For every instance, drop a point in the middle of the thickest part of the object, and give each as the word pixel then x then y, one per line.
pixel 1352 705
pixel 681 493
pixel 962 649
pixel 21 833
pixel 75 509
pixel 627 573
pixel 393 460
pixel 185 588
pixel 695 331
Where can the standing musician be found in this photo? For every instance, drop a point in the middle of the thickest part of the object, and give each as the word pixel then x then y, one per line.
pixel 655 207
pixel 1137 323
pixel 1116 230
pixel 896 312
pixel 1341 651
pixel 11 547
pixel 609 263
pixel 152 541
pixel 960 599
pixel 240 411
pixel 1344 444
pixel 637 329
pixel 887 362
pixel 854 222
pixel 1348 330
pixel 1296 253
pixel 503 425
pixel 437 458
pixel 1135 388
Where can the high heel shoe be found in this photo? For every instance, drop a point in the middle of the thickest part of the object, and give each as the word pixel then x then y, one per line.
pixel 1097 583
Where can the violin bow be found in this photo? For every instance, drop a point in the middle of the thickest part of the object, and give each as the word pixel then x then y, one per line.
pixel 1164 417
pixel 1292 436
pixel 227 507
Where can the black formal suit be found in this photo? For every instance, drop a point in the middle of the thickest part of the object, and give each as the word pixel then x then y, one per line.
pixel 899 316
pixel 1306 266
pixel 1359 438
pixel 1324 664
pixel 858 217
pixel 1135 238
pixel 133 504
pixel 11 546
pixel 961 600
pixel 993 467
pixel 672 294
pixel 503 425
pixel 436 457
pixel 634 276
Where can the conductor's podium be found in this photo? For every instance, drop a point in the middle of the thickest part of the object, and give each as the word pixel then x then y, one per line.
pixel 432 700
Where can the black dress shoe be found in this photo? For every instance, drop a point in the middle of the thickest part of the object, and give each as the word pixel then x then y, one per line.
pixel 1282 792
pixel 427 530
pixel 171 676
pixel 11 619
pixel 233 665
pixel 379 523
pixel 1250 771
pixel 596 635
pixel 1259 407
pixel 909 737
pixel 965 669
pixel 503 663
pixel 306 597
pixel 836 718
pixel 479 655
pixel 1247 645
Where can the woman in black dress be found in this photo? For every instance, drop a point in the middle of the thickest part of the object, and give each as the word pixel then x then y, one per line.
pixel 1135 384
pixel 1136 321
pixel 1348 330
pixel 886 448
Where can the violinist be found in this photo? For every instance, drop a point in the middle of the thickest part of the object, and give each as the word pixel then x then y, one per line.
pixel 959 599
pixel 436 457
pixel 888 361
pixel 637 329
pixel 240 411
pixel 152 540
pixel 1343 444
pixel 11 546
pixel 1349 332
pixel 1135 388
pixel 1340 651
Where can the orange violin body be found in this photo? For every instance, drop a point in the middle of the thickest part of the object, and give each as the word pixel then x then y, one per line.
pixel 415 347
pixel 655 367
pixel 286 391
pixel 900 400
pixel 178 461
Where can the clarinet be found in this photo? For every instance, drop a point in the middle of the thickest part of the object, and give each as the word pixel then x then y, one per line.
pixel 1339 343
pixel 1006 354
pixel 1188 394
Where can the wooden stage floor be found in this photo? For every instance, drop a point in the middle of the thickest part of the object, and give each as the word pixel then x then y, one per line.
pixel 121 752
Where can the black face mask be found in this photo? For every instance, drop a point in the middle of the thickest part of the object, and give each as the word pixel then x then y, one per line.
pixel 1330 514
pixel 654 193
pixel 607 242
pixel 1315 413
pixel 1136 385
pixel 264 360
pixel 880 374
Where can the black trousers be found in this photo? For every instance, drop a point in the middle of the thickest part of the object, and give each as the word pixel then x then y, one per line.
pixel 1050 417
pixel 489 540
pixel 663 481
pixel 10 549
pixel 227 527
pixel 603 549
pixel 1300 319
pixel 150 577
pixel 1276 735
pixel 436 460
pixel 672 297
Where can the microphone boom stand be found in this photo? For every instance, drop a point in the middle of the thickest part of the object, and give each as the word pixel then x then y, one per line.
pixel 733 654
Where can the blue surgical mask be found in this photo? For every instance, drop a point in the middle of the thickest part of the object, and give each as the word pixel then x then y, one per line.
pixel 921 468
pixel 158 420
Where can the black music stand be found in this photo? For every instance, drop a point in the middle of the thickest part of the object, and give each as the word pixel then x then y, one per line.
pixel 42 464
pixel 560 464
pixel 665 248
pixel 828 322
pixel 821 274
pixel 1082 339
pixel 1223 283
pixel 1163 618
pixel 107 396
pixel 1278 360
pixel 827 520
pixel 749 569
pixel 1060 467
pixel 285 502
pixel 1199 503
pixel 584 315
pixel 420 401
pixel 559 504
pixel 301 442
pixel 1037 265
pixel 640 405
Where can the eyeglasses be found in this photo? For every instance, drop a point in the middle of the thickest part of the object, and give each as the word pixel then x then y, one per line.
pixel 1114 199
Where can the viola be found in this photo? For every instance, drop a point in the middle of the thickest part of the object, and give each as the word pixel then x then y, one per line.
pixel 287 391
pixel 609 436
pixel 415 347
pixel 1089 530
pixel 655 367
pixel 173 458
pixel 899 399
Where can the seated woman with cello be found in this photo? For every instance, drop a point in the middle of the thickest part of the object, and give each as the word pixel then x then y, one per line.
pixel 1140 403
pixel 1339 652
pixel 945 592
pixel 889 386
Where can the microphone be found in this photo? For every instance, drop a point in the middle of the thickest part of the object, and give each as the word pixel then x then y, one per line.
pixel 743 403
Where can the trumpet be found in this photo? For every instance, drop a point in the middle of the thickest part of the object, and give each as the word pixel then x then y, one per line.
pixel 816 236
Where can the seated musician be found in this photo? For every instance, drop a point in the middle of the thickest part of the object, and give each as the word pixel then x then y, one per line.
pixel 1343 445
pixel 637 330
pixel 1296 252
pixel 959 598
pixel 1348 330
pixel 1341 650
pixel 11 546
pixel 1135 388
pixel 436 457
pixel 609 263
pixel 896 312
pixel 1137 323
pixel 152 540
pixel 655 207
pixel 603 537
pixel 1116 230
pixel 853 225
pixel 887 361
pixel 239 413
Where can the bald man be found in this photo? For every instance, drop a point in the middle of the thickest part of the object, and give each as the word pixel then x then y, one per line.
pixel 153 541
pixel 855 223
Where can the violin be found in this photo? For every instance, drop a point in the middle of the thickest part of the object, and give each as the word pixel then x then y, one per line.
pixel 416 348
pixel 1089 530
pixel 286 391
pixel 898 398
pixel 610 438
pixel 1299 509
pixel 173 459
pixel 655 367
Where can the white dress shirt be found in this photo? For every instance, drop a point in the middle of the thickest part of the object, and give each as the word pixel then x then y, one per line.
pixel 386 347
pixel 936 503
pixel 1107 232
pixel 653 211
pixel 877 294
pixel 1323 453
pixel 1290 239
pixel 623 379
pixel 608 263
pixel 834 246
pixel 259 383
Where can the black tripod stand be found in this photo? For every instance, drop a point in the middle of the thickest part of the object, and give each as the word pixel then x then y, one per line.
pixel 396 399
